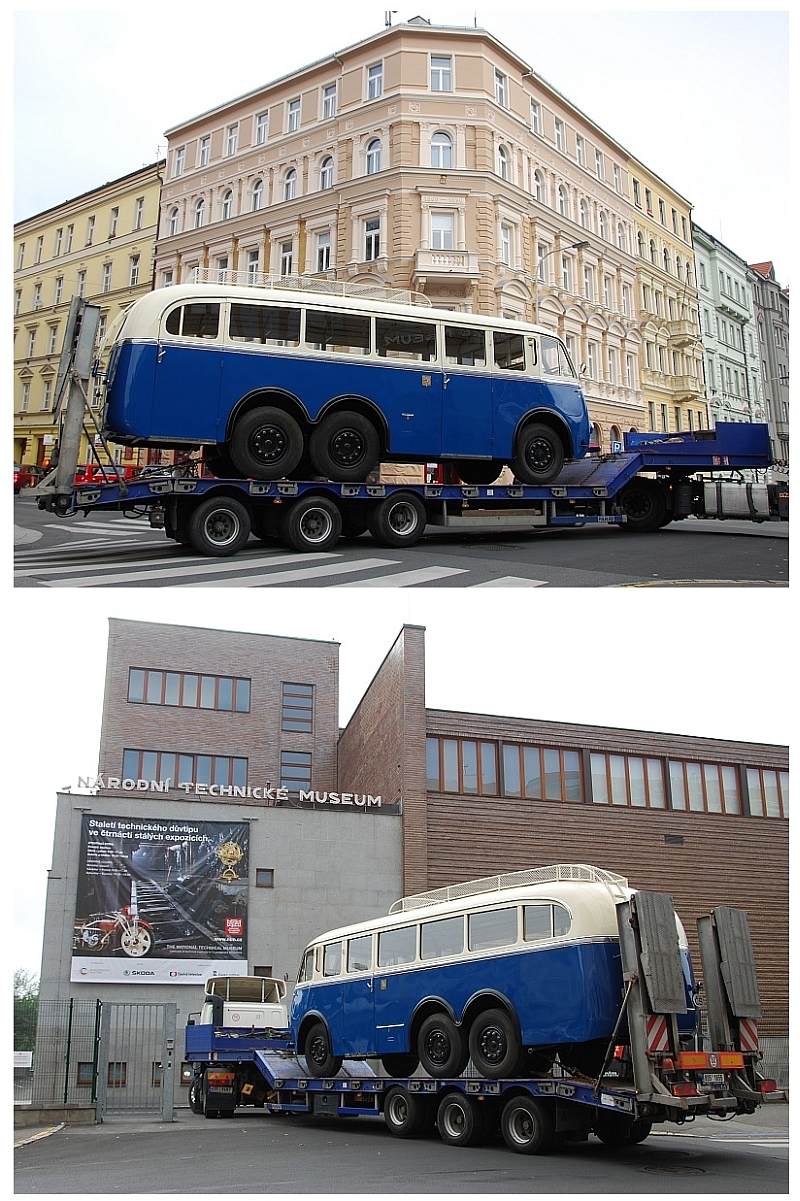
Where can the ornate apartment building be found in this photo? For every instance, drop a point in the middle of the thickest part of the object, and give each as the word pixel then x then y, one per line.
pixel 435 159
pixel 771 303
pixel 99 246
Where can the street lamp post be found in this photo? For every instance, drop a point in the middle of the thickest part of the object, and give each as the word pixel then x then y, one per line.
pixel 542 260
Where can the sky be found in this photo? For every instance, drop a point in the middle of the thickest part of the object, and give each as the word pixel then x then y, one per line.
pixel 683 661
pixel 700 97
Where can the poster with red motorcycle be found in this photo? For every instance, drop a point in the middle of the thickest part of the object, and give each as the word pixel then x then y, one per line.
pixel 160 901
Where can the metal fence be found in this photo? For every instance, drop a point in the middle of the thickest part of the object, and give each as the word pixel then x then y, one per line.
pixel 118 1056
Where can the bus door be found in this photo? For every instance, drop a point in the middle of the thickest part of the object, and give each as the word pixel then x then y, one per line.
pixel 358 999
pixel 467 413
pixel 187 374
pixel 408 385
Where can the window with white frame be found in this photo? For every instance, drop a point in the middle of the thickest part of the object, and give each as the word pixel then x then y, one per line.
pixel 106 284
pixel 58 290
pixel 82 284
pixel 591 359
pixel 566 272
pixel 31 343
pixel 252 264
pixel 231 140
pixel 290 184
pixel 257 196
pixel 613 366
pixel 37 296
pixel 329 101
pixel 506 243
pixel 138 216
pixel 286 261
pixel 293 116
pixel 26 396
pixel 617 179
pixel 536 116
pixel 375 81
pixel 608 291
pixel 500 88
pixel 133 272
pixel 326 173
pixel 178 161
pixel 53 342
pixel 442 151
pixel 59 238
pixel 442 231
pixel 199 213
pixel 622 241
pixel 602 226
pixel 113 223
pixel 204 150
pixel 47 393
pixel 372 239
pixel 324 250
pixel 39 248
pixel 542 251
pixel 373 158
pixel 70 232
pixel 538 186
pixel 503 169
pixel 222 268
pixel 90 230
pixel 598 164
pixel 172 223
pixel 580 150
pixel 167 278
pixel 441 73
pixel 588 281
pixel 630 370
pixel 583 213
pixel 227 205
pixel 262 128
pixel 563 201
pixel 560 141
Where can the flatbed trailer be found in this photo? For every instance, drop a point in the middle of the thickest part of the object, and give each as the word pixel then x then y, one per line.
pixel 648 1074
pixel 654 480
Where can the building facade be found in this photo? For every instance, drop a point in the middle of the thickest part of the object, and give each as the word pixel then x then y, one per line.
pixel 435 159
pixel 98 246
pixel 729 331
pixel 771 304
pixel 231 810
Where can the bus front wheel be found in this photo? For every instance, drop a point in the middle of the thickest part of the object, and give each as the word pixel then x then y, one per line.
pixel 266 444
pixel 538 454
pixel 318 1052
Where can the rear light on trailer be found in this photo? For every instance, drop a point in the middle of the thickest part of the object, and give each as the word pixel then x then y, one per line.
pixel 767 1086
pixel 684 1089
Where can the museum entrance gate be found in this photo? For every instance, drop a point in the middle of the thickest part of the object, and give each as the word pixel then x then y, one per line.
pixel 136 1060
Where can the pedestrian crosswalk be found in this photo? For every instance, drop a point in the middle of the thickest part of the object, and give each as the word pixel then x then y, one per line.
pixel 108 554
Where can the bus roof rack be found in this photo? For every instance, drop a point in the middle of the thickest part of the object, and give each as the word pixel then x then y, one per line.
pixel 309 283
pixel 579 872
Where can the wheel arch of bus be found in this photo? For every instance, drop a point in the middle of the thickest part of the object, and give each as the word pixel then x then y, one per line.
pixel 550 418
pixel 288 402
pixel 480 1002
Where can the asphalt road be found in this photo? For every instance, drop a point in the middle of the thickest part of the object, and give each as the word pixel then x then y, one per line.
pixel 259 1153
pixel 111 550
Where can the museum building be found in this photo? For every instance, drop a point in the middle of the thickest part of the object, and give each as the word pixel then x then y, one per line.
pixel 236 820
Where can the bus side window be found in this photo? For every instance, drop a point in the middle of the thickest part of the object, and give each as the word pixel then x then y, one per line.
pixel 509 351
pixel 464 347
pixel 359 953
pixel 332 959
pixel 410 340
pixel 537 922
pixel 562 921
pixel 194 321
pixel 554 357
pixel 397 946
pixel 307 966
pixel 497 928
pixel 443 937
pixel 265 324
pixel 340 333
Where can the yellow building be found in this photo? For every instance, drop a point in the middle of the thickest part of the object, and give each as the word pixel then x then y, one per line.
pixel 98 246
pixel 667 304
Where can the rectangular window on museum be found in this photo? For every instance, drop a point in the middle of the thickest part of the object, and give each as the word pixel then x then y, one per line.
pixel 768 792
pixel 297 705
pixel 265 877
pixel 187 690
pixel 226 770
pixel 295 770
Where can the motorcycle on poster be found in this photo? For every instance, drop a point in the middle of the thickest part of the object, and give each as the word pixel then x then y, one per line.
pixel 160 901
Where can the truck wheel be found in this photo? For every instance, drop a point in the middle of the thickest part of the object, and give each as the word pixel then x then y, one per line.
pixel 400 1066
pixel 538 454
pixel 398 520
pixel 344 447
pixel 219 526
pixel 407 1115
pixel 528 1126
pixel 644 503
pixel 493 1045
pixel 311 523
pixel 196 1095
pixel 318 1053
pixel 617 1131
pixel 442 1051
pixel 461 1120
pixel 266 444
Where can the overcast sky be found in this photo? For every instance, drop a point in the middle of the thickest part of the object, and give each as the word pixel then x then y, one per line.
pixel 684 661
pixel 701 98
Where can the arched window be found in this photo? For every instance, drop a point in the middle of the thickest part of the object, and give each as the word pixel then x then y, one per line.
pixel 653 253
pixel 584 214
pixel 667 265
pixel 227 206
pixel 563 201
pixel 502 162
pixel 199 212
pixel 678 266
pixel 538 186
pixel 257 198
pixel 374 156
pixel 640 243
pixel 621 241
pixel 603 227
pixel 290 184
pixel 326 173
pixel 172 228
pixel 442 151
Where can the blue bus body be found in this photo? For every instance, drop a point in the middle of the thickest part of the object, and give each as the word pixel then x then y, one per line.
pixel 176 389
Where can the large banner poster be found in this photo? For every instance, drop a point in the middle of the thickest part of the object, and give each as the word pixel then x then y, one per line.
pixel 160 901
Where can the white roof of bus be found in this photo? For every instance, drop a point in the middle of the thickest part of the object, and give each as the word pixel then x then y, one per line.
pixel 146 311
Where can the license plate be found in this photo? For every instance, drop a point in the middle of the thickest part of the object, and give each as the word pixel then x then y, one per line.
pixel 713 1077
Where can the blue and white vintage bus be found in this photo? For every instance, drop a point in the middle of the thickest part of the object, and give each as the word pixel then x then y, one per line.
pixel 508 971
pixel 284 381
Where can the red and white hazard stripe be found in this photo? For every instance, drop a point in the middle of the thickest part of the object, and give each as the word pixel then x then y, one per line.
pixel 657 1034
pixel 748 1034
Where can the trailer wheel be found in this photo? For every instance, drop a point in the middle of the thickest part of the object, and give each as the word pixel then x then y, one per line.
pixel 196 1095
pixel 344 447
pixel 318 1053
pixel 266 444
pixel 493 1045
pixel 462 1120
pixel 617 1131
pixel 442 1051
pixel 407 1115
pixel 401 1065
pixel 538 454
pixel 311 523
pixel 644 504
pixel 219 526
pixel 398 520
pixel 528 1126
